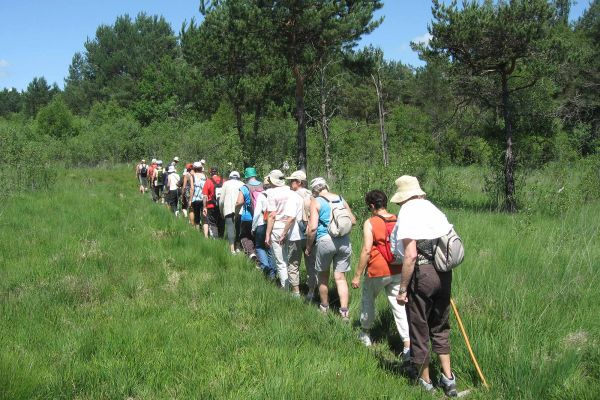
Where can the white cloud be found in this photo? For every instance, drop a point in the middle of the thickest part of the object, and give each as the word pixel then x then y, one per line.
pixel 424 38
pixel 3 63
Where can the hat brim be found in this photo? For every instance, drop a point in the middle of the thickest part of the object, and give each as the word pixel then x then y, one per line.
pixel 400 197
pixel 277 182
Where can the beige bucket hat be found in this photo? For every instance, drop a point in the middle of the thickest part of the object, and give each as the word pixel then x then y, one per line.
pixel 406 187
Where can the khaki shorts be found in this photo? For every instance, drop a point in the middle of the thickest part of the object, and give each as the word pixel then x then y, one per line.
pixel 337 250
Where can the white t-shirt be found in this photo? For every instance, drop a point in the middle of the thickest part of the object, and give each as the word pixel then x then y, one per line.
pixel 173 180
pixel 417 219
pixel 295 231
pixel 282 201
pixel 259 208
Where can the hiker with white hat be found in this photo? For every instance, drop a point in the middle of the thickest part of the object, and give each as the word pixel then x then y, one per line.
pixel 141 172
pixel 173 185
pixel 158 181
pixel 259 229
pixel 198 180
pixel 281 208
pixel 229 210
pixel 423 289
pixel 174 162
pixel 331 220
pixel 296 234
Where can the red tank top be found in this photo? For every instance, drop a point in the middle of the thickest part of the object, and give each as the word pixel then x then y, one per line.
pixel 377 265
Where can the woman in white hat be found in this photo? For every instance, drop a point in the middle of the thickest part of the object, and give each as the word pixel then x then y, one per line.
pixel 424 290
pixel 173 180
pixel 229 210
pixel 329 249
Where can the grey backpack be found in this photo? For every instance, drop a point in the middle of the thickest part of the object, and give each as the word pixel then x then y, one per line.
pixel 448 251
pixel 340 221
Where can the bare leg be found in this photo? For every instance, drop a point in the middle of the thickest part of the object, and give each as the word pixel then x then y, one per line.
pixel 323 278
pixel 342 288
pixel 445 364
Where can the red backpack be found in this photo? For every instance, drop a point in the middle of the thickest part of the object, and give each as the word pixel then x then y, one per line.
pixel 385 249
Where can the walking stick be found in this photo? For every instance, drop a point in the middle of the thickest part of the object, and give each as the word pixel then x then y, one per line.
pixel 464 333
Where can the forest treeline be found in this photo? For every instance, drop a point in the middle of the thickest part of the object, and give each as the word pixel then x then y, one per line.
pixel 507 85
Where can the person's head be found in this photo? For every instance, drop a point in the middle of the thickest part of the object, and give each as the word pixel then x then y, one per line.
pixel 250 173
pixel 376 200
pixel 154 161
pixel 188 167
pixel 159 163
pixel 214 171
pixel 234 175
pixel 276 178
pixel 197 166
pixel 317 185
pixel 407 188
pixel 175 160
pixel 296 179
pixel 143 161
pixel 266 183
pixel 171 169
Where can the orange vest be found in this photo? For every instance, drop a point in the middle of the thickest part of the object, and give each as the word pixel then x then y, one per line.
pixel 377 265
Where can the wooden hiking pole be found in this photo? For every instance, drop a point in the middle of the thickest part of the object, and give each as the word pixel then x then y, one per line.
pixel 464 333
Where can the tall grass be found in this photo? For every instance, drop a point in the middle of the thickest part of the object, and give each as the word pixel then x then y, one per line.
pixel 105 295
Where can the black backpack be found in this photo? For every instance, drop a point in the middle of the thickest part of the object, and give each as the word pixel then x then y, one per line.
pixel 144 171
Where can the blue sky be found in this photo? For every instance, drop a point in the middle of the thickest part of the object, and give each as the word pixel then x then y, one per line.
pixel 39 38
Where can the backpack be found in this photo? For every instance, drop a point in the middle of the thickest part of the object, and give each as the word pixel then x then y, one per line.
pixel 160 177
pixel 218 190
pixel 144 171
pixel 448 251
pixel 255 191
pixel 340 221
pixel 386 249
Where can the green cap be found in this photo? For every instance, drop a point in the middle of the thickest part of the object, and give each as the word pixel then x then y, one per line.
pixel 250 172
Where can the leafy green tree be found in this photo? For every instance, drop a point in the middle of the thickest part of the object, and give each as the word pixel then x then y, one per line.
pixel 10 101
pixel 229 49
pixel 56 120
pixel 37 95
pixel 114 61
pixel 497 40
pixel 302 31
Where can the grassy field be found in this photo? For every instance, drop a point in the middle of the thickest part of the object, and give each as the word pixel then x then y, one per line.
pixel 105 295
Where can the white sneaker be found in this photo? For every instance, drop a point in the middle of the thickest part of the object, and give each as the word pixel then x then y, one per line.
pixel 365 338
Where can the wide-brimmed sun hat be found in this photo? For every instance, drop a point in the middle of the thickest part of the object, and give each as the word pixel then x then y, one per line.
pixel 277 178
pixel 250 172
pixel 197 164
pixel 234 175
pixel 171 169
pixel 176 159
pixel 297 176
pixel 406 187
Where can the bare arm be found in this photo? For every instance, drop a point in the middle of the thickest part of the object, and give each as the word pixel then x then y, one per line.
pixel 365 253
pixel 313 223
pixel 270 223
pixel 352 216
pixel 240 200
pixel 408 267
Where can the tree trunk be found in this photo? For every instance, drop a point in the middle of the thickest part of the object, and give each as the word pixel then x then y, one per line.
pixel 381 112
pixel 301 118
pixel 255 129
pixel 510 204
pixel 325 130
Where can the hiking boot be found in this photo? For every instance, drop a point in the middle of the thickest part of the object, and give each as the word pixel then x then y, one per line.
pixel 426 386
pixel 365 338
pixel 296 295
pixel 310 296
pixel 449 385
pixel 324 308
pixel 345 314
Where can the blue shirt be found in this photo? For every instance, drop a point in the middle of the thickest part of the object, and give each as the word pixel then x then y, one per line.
pixel 324 216
pixel 247 207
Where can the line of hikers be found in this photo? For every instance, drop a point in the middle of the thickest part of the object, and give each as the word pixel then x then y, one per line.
pixel 277 221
